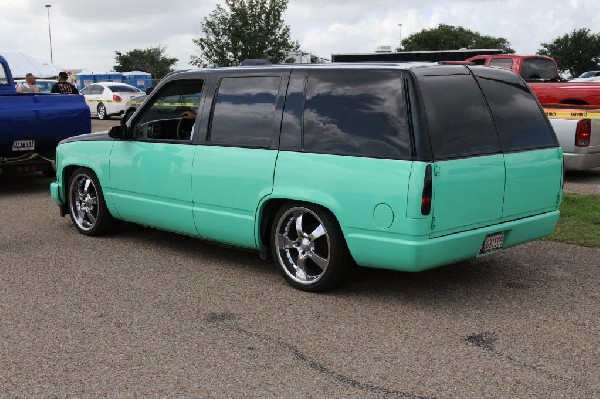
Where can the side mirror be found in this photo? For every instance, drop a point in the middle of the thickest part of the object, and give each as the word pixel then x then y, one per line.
pixel 117 132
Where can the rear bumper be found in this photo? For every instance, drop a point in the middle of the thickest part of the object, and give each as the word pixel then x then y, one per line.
pixel 583 161
pixel 16 161
pixel 389 251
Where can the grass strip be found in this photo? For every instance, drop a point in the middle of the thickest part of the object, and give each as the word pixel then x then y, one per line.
pixel 579 222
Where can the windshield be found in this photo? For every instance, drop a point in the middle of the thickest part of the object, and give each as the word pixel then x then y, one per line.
pixel 45 86
pixel 539 69
pixel 123 89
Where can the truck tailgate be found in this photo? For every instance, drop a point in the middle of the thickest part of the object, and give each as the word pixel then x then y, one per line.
pixel 37 122
pixel 578 157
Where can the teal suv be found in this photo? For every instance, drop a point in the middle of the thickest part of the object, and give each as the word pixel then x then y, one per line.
pixel 396 166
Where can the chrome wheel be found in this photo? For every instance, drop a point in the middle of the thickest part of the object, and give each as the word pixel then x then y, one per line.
pixel 302 245
pixel 83 201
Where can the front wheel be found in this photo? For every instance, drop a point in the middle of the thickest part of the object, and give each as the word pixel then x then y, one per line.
pixel 101 111
pixel 86 204
pixel 308 247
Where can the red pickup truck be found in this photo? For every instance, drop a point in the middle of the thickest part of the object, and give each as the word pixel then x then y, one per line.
pixel 541 73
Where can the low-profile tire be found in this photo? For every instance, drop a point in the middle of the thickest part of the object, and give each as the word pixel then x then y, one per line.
pixel 101 112
pixel 308 247
pixel 86 204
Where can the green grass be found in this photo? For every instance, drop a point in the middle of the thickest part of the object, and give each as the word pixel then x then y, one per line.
pixel 579 222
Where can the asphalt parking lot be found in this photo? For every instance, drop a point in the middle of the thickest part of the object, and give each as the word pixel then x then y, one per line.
pixel 144 313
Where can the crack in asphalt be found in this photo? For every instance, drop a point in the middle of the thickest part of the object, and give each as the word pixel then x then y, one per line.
pixel 228 321
pixel 486 341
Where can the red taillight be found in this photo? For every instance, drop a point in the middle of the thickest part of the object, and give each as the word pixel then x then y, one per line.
pixel 583 133
pixel 116 98
pixel 427 191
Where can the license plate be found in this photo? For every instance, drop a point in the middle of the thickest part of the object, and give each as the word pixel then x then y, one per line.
pixel 493 242
pixel 23 145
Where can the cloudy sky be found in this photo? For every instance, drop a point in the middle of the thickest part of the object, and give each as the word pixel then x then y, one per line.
pixel 86 33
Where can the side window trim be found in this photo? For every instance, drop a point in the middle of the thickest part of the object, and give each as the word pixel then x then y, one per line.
pixel 292 123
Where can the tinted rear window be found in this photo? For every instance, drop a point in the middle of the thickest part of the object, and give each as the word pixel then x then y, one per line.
pixel 459 121
pixel 244 111
pixel 537 69
pixel 123 89
pixel 506 63
pixel 519 119
pixel 357 113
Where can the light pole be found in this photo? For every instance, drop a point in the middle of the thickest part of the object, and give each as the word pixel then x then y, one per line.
pixel 400 26
pixel 49 32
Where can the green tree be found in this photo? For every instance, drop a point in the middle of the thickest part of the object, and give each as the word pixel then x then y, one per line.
pixel 576 52
pixel 151 60
pixel 243 29
pixel 448 37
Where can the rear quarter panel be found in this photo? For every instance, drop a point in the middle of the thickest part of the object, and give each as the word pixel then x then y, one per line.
pixel 364 194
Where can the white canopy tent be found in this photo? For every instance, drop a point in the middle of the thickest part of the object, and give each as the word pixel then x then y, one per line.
pixel 21 64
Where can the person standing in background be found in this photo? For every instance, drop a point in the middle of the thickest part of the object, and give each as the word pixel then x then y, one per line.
pixel 64 87
pixel 29 85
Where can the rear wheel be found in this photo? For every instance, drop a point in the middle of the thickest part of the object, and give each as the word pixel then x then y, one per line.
pixel 308 247
pixel 101 111
pixel 86 204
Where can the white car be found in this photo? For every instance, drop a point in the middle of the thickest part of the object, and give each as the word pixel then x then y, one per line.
pixel 590 76
pixel 106 99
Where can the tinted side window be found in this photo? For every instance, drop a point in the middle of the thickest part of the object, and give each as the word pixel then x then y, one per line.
pixel 538 69
pixel 519 119
pixel 94 89
pixel 356 112
pixel 123 89
pixel 478 61
pixel 458 118
pixel 506 63
pixel 244 110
